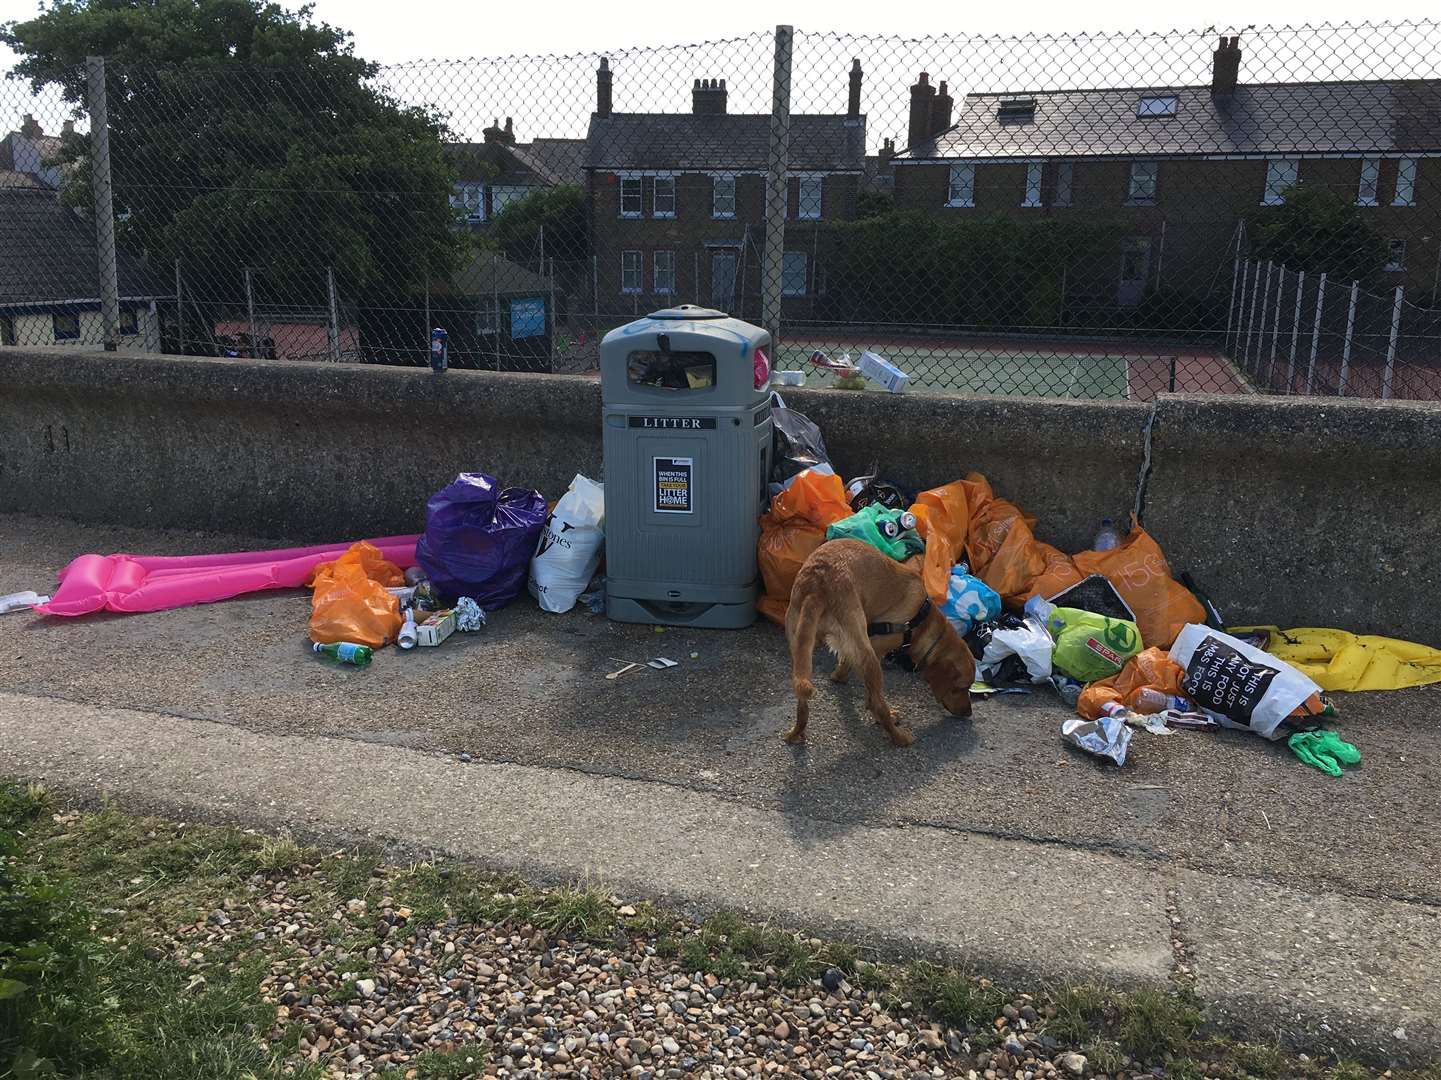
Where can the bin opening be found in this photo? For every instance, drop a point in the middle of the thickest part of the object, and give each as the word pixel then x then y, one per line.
pixel 671 370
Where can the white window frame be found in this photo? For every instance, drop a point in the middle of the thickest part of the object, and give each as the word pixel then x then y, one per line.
pixel 719 181
pixel 470 199
pixel 656 273
pixel 1138 181
pixel 961 184
pixel 789 261
pixel 655 195
pixel 638 270
pixel 1032 194
pixel 1065 184
pixel 809 209
pixel 1281 173
pixel 1405 193
pixel 1368 188
pixel 1395 254
pixel 632 178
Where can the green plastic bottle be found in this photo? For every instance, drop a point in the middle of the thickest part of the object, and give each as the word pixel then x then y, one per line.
pixel 344 652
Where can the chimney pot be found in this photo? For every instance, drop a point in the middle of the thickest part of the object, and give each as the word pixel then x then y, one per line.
pixel 708 97
pixel 1225 68
pixel 919 128
pixel 853 100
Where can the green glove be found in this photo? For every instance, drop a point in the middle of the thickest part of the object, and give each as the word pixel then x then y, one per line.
pixel 1324 749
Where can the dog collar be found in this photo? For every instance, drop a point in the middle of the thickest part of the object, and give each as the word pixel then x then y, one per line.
pixel 907 630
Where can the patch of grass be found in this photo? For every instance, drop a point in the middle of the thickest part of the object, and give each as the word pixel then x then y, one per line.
pixel 277 854
pixel 950 996
pixel 350 875
pixel 426 891
pixel 648 920
pixel 694 956
pixel 1105 1055
pixel 1079 1010
pixel 467 1061
pixel 21 803
pixel 1259 1062
pixel 1155 1026
pixel 576 911
pixel 1347 1070
pixel 667 946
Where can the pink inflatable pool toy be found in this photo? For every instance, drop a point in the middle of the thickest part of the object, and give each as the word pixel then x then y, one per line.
pixel 156 582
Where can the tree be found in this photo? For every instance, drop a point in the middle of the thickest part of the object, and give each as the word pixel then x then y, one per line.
pixel 246 135
pixel 560 211
pixel 1316 230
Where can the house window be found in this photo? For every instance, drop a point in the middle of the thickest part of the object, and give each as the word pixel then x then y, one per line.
pixel 962 190
pixel 129 324
pixel 501 197
pixel 664 271
pixel 1405 194
pixel 1397 259
pixel 808 200
pixel 630 196
pixel 1032 196
pixel 663 201
pixel 793 273
pixel 1142 188
pixel 1064 180
pixel 630 271
pixel 1280 174
pixel 723 196
pixel 469 199
pixel 67 326
pixel 1370 181
pixel 1156 106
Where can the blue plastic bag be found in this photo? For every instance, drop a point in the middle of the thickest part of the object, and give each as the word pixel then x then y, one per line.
pixel 479 539
pixel 969 601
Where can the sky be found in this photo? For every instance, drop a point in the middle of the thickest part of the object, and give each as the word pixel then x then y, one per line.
pixel 536 62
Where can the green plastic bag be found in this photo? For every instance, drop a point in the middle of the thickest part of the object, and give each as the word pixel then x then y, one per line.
pixel 891 532
pixel 1324 750
pixel 1088 646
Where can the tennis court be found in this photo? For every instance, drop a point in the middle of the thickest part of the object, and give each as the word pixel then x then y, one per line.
pixel 1030 369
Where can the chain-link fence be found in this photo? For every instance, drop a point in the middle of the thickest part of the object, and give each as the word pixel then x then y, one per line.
pixel 1082 216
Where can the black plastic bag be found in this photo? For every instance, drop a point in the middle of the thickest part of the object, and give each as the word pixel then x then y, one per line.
pixel 866 490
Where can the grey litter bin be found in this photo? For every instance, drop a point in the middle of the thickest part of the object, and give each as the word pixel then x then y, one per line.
pixel 687 454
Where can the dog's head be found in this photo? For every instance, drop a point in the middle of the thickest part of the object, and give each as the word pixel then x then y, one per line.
pixel 949 672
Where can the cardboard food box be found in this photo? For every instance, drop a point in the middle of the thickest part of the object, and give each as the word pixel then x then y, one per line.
pixel 880 370
pixel 438 626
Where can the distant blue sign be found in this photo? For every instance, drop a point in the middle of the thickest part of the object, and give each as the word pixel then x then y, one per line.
pixel 527 318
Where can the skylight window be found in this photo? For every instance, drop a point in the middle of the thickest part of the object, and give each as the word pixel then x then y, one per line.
pixel 1016 110
pixel 1156 106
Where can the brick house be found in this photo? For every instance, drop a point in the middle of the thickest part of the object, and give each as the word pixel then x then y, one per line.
pixel 498 170
pixel 677 200
pixel 1174 172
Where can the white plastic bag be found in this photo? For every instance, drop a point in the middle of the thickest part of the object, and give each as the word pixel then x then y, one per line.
pixel 1031 643
pixel 1237 684
pixel 569 550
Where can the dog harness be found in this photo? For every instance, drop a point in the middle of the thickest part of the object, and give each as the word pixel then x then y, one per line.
pixel 902 655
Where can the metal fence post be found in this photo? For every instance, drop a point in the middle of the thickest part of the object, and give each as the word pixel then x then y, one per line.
pixel 1275 326
pixel 1350 333
pixel 1391 345
pixel 777 189
pixel 102 188
pixel 1230 308
pixel 1315 334
pixel 250 312
pixel 1236 350
pixel 1251 322
pixel 179 311
pixel 333 328
pixel 1261 334
pixel 1295 332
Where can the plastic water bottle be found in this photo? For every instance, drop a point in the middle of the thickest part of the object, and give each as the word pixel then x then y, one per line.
pixel 1149 701
pixel 1107 538
pixel 407 636
pixel 345 652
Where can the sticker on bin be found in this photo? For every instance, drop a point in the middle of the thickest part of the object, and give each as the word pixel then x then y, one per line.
pixel 673 485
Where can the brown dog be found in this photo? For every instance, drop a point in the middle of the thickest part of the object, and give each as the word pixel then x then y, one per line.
pixel 842 592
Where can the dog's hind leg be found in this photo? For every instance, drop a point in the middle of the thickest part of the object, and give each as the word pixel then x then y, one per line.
pixel 801 634
pixel 859 649
pixel 842 671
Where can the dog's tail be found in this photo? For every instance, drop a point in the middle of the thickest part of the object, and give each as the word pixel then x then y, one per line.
pixel 803 628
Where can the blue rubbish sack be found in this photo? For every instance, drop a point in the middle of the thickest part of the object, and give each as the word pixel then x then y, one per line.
pixel 478 539
pixel 969 601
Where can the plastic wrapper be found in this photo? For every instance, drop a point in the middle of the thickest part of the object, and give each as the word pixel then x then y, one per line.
pixel 1239 685
pixel 865 490
pixel 469 616
pixel 570 546
pixel 479 540
pixel 796 443
pixel 969 601
pixel 891 532
pixel 1028 642
pixel 1088 646
pixel 1106 737
pixel 1150 669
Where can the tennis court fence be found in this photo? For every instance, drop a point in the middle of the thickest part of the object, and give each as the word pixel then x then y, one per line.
pixel 1109 215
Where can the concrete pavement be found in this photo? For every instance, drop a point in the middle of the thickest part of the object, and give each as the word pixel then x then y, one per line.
pixel 1302 904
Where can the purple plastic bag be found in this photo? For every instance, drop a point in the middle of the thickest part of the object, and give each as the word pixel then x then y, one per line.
pixel 478 539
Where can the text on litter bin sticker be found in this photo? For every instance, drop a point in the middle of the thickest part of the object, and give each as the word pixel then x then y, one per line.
pixel 673 485
pixel 1223 680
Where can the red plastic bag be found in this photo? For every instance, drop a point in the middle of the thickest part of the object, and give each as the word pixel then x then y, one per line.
pixel 791 529
pixel 350 602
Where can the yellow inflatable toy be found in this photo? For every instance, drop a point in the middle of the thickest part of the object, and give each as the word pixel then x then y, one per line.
pixel 1338 660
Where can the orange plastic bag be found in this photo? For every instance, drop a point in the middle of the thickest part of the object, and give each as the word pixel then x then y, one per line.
pixel 791 529
pixel 350 602
pixel 1140 573
pixel 1152 668
pixel 1005 553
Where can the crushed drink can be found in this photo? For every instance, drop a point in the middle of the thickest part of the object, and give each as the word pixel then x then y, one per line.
pixel 439 350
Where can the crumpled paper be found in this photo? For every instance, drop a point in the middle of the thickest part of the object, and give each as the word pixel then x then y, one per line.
pixel 1107 737
pixel 469 615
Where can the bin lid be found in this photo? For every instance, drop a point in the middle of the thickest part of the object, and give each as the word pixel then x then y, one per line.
pixel 688 313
